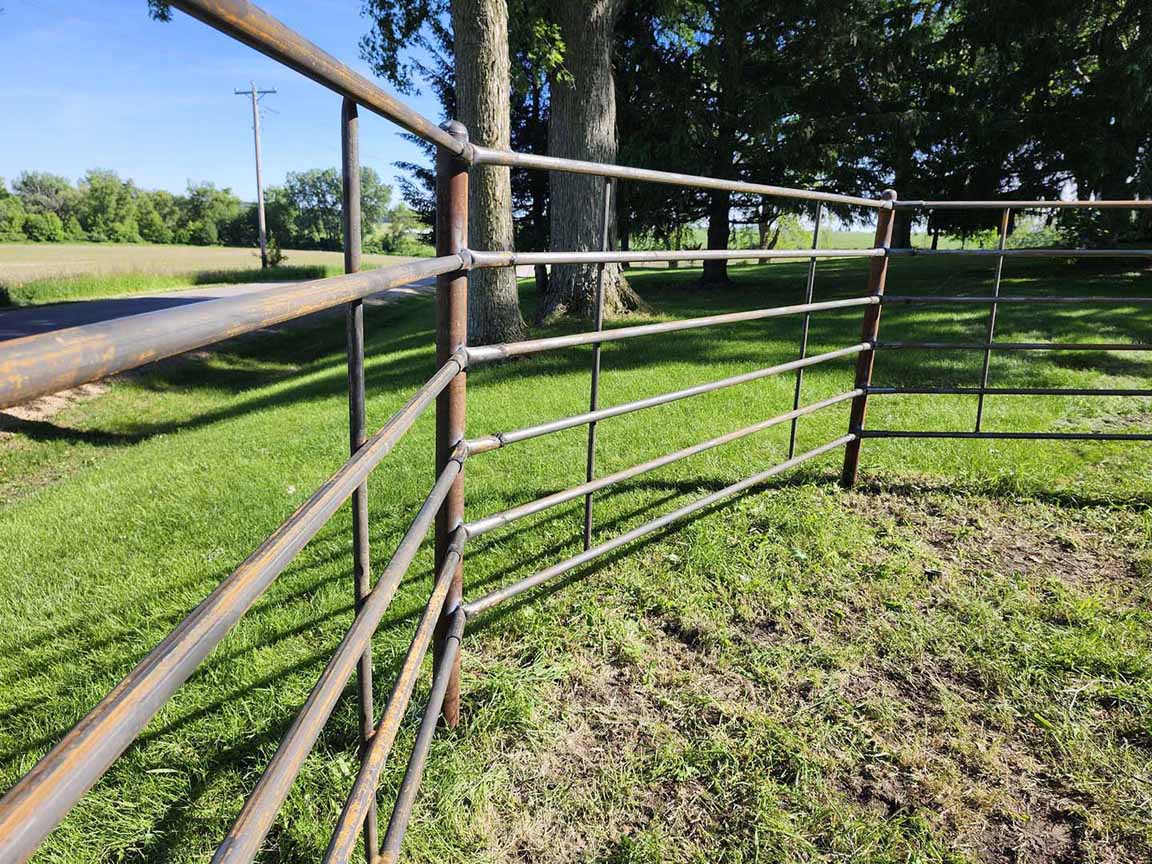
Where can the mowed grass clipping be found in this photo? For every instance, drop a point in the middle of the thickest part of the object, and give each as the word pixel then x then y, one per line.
pixel 949 664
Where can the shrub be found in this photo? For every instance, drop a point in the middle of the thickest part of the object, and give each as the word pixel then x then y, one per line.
pixel 44 228
pixel 12 218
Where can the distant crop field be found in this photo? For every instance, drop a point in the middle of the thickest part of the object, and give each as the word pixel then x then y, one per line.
pixel 32 274
pixel 21 263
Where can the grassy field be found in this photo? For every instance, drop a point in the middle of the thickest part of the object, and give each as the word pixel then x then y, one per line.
pixel 36 273
pixel 951 664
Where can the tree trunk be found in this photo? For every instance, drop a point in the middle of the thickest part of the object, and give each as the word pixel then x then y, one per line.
pixel 902 229
pixel 582 125
pixel 719 232
pixel 482 91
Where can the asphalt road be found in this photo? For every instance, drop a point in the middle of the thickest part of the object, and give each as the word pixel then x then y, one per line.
pixel 58 316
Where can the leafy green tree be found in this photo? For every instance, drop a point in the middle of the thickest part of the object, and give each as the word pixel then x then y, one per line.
pixel 153 227
pixel 44 228
pixel 107 208
pixel 306 212
pixel 204 209
pixel 12 215
pixel 42 192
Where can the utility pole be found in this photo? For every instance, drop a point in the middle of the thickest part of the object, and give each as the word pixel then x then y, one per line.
pixel 256 94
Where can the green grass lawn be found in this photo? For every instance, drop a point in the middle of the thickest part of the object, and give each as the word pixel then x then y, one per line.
pixel 951 663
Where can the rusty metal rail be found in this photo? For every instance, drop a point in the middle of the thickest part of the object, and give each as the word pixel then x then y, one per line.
pixel 43 364
pixel 50 362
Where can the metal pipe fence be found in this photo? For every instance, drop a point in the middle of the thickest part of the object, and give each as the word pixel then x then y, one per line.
pixel 44 364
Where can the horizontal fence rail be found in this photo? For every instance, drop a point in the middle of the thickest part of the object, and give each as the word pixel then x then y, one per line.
pixel 1022 436
pixel 247 834
pixel 251 25
pixel 50 362
pixel 37 803
pixel 1041 300
pixel 488 156
pixel 488 353
pixel 368 778
pixel 1017 346
pixel 1012 391
pixel 43 364
pixel 1023 205
pixel 503 439
pixel 495 598
pixel 507 517
pixel 639 256
pixel 1027 252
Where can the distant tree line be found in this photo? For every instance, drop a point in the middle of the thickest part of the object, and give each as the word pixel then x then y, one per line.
pixel 102 207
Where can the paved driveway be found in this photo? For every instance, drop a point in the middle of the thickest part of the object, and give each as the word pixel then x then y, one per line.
pixel 57 316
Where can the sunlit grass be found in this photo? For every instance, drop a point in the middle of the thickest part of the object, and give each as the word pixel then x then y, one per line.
pixel 797 676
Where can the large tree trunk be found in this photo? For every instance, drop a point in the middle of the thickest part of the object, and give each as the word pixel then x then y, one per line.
pixel 480 30
pixel 719 232
pixel 582 125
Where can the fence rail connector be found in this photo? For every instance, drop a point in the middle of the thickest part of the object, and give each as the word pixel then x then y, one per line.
pixel 877 275
pixel 451 336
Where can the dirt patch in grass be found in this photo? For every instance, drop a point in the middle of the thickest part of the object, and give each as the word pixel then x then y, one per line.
pixel 665 741
pixel 1077 545
pixel 46 407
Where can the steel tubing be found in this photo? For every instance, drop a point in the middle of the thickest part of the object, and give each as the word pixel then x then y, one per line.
pixel 351 229
pixel 508 592
pixel 990 332
pixel 44 796
pixel 488 156
pixel 1023 253
pixel 50 362
pixel 1022 436
pixel 809 288
pixel 507 517
pixel 451 338
pixel 362 799
pixel 947 299
pixel 594 383
pixel 487 353
pixel 1018 346
pixel 1007 391
pixel 493 442
pixel 406 799
pixel 251 25
pixel 639 256
pixel 246 836
pixel 870 332
pixel 1022 205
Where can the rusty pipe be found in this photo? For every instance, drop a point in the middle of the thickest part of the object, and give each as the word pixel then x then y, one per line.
pixel 50 362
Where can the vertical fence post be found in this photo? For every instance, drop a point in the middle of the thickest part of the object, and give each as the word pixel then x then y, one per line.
pixel 594 398
pixel 991 332
pixel 357 428
pixel 808 289
pixel 451 335
pixel 877 274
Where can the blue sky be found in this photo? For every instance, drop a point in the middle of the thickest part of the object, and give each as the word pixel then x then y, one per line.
pixel 86 85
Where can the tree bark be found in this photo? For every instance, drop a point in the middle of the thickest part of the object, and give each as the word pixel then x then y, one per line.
pixel 480 29
pixel 582 125
pixel 719 233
